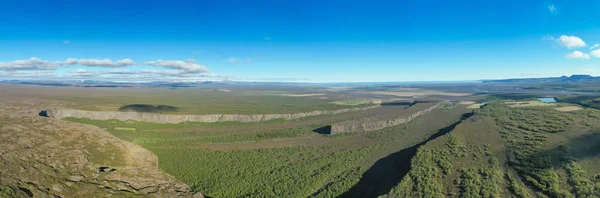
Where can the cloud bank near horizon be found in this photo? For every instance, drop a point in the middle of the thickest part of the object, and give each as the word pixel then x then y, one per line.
pixel 120 70
pixel 108 69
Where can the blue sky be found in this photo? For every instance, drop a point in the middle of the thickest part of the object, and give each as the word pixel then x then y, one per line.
pixel 301 41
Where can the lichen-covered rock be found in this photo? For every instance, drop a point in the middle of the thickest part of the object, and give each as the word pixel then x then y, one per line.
pixel 42 157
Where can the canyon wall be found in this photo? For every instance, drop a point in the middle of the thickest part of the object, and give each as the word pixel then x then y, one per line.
pixel 165 118
pixel 374 123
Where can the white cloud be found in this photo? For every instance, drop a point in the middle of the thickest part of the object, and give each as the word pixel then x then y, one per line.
pixel 161 72
pixel 26 74
pixel 183 66
pixel 121 71
pixel 595 53
pixel 233 60
pixel 577 55
pixel 570 41
pixel 179 74
pixel 143 74
pixel 79 71
pixel 83 72
pixel 170 69
pixel 32 63
pixel 552 8
pixel 99 62
pixel 548 38
pixel 587 70
pixel 238 60
pixel 595 46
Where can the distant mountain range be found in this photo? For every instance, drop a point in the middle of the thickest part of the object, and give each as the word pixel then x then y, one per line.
pixel 562 79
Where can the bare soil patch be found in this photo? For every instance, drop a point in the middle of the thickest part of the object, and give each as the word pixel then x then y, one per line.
pixel 418 93
pixel 475 106
pixel 467 102
pixel 568 108
pixel 303 95
pixel 533 103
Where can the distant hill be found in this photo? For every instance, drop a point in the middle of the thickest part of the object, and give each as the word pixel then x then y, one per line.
pixel 572 78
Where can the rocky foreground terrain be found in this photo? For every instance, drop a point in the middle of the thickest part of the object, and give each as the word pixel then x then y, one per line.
pixel 42 157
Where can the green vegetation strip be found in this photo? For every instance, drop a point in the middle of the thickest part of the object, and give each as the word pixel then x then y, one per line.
pixel 298 171
pixel 453 167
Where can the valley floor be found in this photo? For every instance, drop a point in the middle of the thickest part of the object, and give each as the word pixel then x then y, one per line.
pixel 285 158
pixel 472 147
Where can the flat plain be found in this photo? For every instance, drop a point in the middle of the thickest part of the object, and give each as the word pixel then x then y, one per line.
pixel 193 101
pixel 472 145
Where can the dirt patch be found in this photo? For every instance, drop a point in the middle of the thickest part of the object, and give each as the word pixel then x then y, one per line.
pixel 475 106
pixel 568 108
pixel 224 90
pixel 418 93
pixel 356 102
pixel 303 95
pixel 124 129
pixel 467 102
pixel 533 103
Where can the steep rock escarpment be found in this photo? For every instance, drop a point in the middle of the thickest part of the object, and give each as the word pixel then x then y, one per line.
pixel 375 123
pixel 164 118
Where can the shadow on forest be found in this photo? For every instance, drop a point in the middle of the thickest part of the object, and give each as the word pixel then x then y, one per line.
pixel 400 103
pixel 148 108
pixel 326 130
pixel 387 172
pixel 585 146
pixel 579 148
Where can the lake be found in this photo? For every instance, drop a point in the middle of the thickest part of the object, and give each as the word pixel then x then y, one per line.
pixel 549 100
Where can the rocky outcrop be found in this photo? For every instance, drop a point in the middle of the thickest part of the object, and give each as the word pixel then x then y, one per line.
pixel 42 157
pixel 375 123
pixel 165 118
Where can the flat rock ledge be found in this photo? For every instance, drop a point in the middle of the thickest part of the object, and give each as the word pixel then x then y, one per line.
pixel 372 123
pixel 174 119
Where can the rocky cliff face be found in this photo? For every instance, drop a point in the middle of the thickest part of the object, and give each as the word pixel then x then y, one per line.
pixel 164 118
pixel 42 157
pixel 373 123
